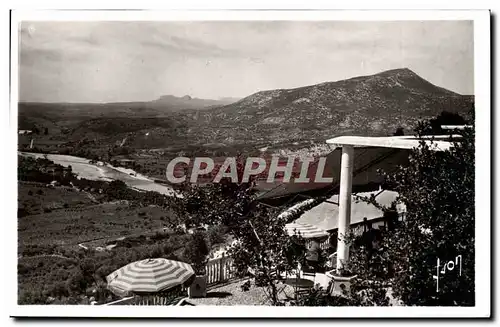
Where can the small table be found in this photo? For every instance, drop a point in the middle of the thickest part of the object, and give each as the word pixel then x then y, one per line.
pixel 299 284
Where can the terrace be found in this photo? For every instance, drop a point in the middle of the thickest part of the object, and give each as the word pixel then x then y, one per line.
pixel 232 293
pixel 224 289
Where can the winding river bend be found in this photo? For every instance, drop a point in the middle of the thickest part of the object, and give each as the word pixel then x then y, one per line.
pixel 82 168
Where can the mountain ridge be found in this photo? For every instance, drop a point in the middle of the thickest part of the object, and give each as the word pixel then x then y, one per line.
pixel 366 105
pixel 404 72
pixel 186 99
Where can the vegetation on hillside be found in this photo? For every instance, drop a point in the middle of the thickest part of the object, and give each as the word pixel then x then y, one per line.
pixel 439 222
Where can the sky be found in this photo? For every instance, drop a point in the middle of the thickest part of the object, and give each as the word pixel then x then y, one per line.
pixel 141 61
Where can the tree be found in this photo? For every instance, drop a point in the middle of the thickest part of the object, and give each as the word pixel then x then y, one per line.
pixel 438 224
pixel 216 234
pixel 196 252
pixel 264 249
pixel 433 126
pixel 117 189
pixel 77 283
pixel 262 241
pixel 46 131
pixel 88 267
pixel 399 132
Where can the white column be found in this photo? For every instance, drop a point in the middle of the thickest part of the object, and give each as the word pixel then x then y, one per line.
pixel 346 168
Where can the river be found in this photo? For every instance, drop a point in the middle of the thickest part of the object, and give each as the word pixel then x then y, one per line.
pixel 82 168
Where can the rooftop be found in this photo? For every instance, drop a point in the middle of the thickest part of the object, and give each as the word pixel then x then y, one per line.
pixel 325 215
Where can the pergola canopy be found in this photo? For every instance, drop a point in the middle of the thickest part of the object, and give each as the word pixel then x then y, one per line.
pixel 326 215
pixel 394 142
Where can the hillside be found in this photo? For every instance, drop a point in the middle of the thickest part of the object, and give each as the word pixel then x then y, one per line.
pixel 144 124
pixel 275 121
pixel 365 105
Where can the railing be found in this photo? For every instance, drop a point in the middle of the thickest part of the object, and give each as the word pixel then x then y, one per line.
pixel 323 245
pixel 219 270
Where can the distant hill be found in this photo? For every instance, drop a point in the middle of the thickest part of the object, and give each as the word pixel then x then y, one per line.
pixel 229 100
pixel 364 105
pixel 166 103
pixel 188 102
pixel 71 115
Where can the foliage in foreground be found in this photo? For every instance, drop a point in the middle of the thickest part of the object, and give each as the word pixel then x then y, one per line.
pixel 439 224
pixel 438 191
pixel 262 241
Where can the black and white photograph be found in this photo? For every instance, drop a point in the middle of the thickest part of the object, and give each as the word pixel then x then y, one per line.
pixel 251 164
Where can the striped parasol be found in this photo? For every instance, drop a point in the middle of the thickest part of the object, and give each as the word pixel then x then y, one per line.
pixel 149 276
pixel 305 230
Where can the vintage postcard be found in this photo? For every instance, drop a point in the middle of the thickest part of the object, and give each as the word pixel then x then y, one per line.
pixel 250 164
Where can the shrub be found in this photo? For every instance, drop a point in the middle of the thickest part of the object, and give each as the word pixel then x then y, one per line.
pixel 23 269
pixel 58 290
pixel 76 284
pixel 31 297
pixel 158 236
pixel 216 235
pixel 440 224
pixel 157 252
pixel 196 252
pixel 22 212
